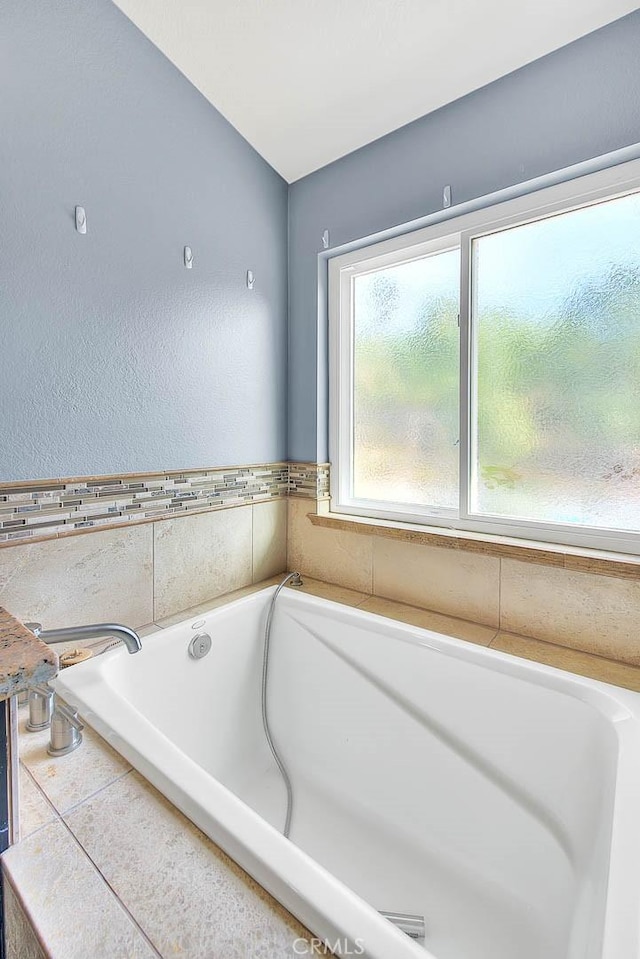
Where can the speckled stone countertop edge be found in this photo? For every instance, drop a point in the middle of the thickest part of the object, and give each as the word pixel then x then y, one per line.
pixel 24 659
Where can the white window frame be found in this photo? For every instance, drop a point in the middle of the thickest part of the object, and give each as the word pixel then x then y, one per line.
pixel 447 233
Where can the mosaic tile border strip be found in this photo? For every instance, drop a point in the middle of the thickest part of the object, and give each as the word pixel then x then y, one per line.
pixel 309 479
pixel 56 508
pixel 53 508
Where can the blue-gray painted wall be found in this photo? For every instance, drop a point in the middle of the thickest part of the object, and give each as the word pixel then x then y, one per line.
pixel 577 103
pixel 113 356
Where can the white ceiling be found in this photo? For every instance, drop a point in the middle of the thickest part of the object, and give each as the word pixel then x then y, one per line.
pixel 307 81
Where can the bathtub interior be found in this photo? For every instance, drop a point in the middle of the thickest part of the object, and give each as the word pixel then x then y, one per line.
pixel 429 780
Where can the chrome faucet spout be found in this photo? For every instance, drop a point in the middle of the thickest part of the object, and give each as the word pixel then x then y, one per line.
pixel 96 631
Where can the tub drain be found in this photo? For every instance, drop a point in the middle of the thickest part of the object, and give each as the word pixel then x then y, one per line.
pixel 411 925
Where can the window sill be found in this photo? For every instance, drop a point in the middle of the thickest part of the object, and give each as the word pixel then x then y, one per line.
pixel 620 565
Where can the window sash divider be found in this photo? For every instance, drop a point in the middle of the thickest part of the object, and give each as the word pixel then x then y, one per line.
pixel 465 446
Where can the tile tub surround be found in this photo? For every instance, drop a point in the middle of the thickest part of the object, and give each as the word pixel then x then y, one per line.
pixel 269 547
pixel 24 659
pixel 49 509
pixel 582 607
pixel 107 576
pixel 140 573
pixel 201 556
pixel 596 614
pixel 618 565
pixel 103 838
pixel 341 557
pixel 20 939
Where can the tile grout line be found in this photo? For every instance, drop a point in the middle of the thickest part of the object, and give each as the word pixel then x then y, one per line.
pixel 153 572
pixel 499 597
pixel 253 540
pixel 373 565
pixel 96 792
pixel 363 601
pixel 43 796
pixel 113 892
pixel 286 538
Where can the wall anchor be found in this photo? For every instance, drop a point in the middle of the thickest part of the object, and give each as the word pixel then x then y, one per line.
pixel 81 219
pixel 251 279
pixel 325 240
pixel 188 257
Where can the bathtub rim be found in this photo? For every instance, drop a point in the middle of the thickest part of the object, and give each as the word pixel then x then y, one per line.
pixel 316 897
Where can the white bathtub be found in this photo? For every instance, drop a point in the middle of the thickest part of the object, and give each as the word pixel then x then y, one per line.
pixel 498 798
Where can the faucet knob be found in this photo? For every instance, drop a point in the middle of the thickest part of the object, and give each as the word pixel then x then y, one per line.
pixel 66 730
pixel 40 705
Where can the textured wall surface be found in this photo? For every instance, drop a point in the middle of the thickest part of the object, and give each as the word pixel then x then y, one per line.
pixel 577 103
pixel 114 357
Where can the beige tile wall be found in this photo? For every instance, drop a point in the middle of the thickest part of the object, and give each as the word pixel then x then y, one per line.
pixel 596 614
pixel 432 577
pixel 269 539
pixel 200 556
pixel 579 610
pixel 139 574
pixel 334 556
pixel 81 579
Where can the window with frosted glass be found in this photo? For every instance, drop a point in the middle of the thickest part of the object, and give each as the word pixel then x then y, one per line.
pixel 556 348
pixel 405 382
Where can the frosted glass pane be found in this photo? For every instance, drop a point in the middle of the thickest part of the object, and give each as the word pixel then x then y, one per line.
pixel 557 321
pixel 406 353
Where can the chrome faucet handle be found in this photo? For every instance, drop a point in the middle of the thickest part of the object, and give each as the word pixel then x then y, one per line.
pixel 71 715
pixel 40 702
pixel 66 730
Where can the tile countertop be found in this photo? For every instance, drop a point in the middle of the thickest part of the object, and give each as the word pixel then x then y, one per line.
pixel 24 659
pixel 107 867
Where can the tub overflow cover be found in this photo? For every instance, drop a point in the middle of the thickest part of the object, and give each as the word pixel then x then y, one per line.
pixel 200 645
